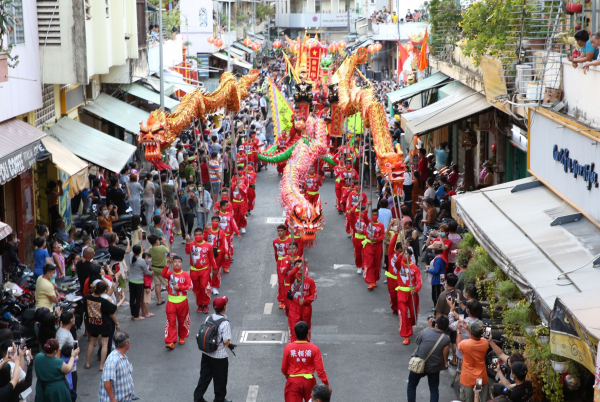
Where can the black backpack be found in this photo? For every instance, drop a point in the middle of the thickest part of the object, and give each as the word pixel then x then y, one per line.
pixel 208 334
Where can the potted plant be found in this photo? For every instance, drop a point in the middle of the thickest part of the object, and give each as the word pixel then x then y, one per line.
pixel 8 21
pixel 574 7
pixel 559 364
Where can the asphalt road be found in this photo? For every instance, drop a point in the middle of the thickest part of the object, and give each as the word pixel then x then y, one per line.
pixel 358 336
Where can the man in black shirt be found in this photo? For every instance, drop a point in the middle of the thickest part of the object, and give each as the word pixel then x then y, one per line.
pixel 115 196
pixel 521 390
pixel 84 266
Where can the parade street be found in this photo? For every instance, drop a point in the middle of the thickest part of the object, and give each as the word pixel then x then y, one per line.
pixel 354 328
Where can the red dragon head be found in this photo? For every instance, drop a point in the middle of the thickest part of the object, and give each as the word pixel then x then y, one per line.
pixel 153 135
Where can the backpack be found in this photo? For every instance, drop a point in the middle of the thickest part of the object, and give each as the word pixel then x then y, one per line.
pixel 208 335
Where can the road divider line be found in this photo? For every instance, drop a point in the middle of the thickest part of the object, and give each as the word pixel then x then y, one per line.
pixel 273 281
pixel 343 266
pixel 268 308
pixel 252 393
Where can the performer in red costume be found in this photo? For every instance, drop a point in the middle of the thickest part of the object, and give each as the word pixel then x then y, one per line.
pixel 239 194
pixel 358 216
pixel 227 225
pixel 312 183
pixel 300 360
pixel 353 202
pixel 283 269
pixel 338 171
pixel 253 143
pixel 241 159
pixel 409 284
pixel 373 251
pixel 300 299
pixel 281 243
pixel 394 252
pixel 202 261
pixel 215 236
pixel 224 196
pixel 349 176
pixel 250 174
pixel 178 308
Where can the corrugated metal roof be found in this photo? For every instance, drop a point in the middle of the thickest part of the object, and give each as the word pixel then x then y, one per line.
pixel 117 112
pixel 16 134
pixel 92 145
pixel 142 92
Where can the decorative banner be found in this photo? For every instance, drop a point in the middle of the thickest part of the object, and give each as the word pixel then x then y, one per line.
pixel 335 79
pixel 354 124
pixel 290 67
pixel 337 121
pixel 314 61
pixel 282 112
pixel 304 109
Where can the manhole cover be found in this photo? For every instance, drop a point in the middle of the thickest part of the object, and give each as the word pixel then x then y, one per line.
pixel 277 221
pixel 264 337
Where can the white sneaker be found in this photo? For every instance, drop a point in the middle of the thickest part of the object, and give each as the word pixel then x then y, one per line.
pixel 359 271
pixel 243 231
pixel 215 291
pixel 385 280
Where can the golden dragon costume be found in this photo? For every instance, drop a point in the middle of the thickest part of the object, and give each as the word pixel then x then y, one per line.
pixel 161 129
pixel 353 99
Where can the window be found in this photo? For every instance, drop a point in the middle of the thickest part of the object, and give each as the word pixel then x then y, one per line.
pixel 17 36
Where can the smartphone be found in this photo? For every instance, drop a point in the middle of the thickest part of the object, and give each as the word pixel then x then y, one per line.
pixel 443 278
pixel 488 332
pixel 75 345
pixel 449 297
pixel 478 384
pixel 11 352
pixel 143 235
pixel 23 343
pixel 119 289
pixel 495 362
pixel 461 317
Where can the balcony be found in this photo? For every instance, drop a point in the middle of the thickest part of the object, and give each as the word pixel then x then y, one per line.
pixel 390 31
pixel 325 20
pixel 172 54
pixel 581 102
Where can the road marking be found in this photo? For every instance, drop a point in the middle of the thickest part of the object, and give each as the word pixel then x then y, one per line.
pixel 268 308
pixel 252 393
pixel 283 213
pixel 276 220
pixel 343 266
pixel 273 280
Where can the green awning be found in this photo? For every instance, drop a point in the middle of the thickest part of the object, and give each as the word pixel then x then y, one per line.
pixel 244 48
pixel 117 112
pixel 92 145
pixel 142 92
pixel 415 89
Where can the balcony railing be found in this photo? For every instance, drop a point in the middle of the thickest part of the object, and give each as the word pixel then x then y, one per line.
pixel 325 20
pixel 578 94
pixel 403 31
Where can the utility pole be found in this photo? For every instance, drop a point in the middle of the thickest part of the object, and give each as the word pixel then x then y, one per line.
pixel 348 12
pixel 160 55
pixel 228 36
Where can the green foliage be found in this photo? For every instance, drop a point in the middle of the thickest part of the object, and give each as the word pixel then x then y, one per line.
pixel 444 19
pixel 517 316
pixel 508 290
pixel 499 275
pixel 8 22
pixel 171 19
pixel 463 258
pixel 468 241
pixel 264 11
pixel 241 17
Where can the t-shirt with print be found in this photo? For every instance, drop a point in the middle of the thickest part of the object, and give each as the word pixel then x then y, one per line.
pixel 473 365
pixel 98 311
pixel 426 340
pixel 213 171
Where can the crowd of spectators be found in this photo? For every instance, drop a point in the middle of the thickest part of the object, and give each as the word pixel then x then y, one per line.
pixel 385 16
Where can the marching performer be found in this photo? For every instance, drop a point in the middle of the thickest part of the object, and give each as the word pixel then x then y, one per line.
pixel 409 284
pixel 251 175
pixel 358 216
pixel 394 252
pixel 353 202
pixel 312 183
pixel 239 196
pixel 215 236
pixel 300 360
pixel 373 249
pixel 301 294
pixel 228 225
pixel 178 308
pixel 338 172
pixel 201 259
pixel 349 176
pixel 283 269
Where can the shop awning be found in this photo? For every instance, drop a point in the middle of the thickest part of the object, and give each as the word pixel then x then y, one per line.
pixel 244 48
pixel 92 145
pixel 240 54
pixel 415 89
pixel 463 102
pixel 19 148
pixel 517 224
pixel 69 163
pixel 117 112
pixel 142 92
pixel 219 55
pixel 243 64
pixel 155 83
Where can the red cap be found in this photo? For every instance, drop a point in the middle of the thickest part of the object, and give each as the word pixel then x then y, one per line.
pixel 220 302
pixel 450 193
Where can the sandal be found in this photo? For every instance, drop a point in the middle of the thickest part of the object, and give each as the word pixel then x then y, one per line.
pixel 150 315
pixel 161 303
pixel 86 366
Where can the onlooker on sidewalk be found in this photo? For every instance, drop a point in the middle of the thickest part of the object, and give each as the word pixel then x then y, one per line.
pixel 117 383
pixel 436 362
pixel 473 366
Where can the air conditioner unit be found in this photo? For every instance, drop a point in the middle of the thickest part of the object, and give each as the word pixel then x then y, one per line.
pixel 92 90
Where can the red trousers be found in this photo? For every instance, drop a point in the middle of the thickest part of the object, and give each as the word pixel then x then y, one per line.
pixel 312 198
pixel 358 252
pixel 391 285
pixel 201 284
pixel 338 195
pixel 215 279
pixel 178 320
pixel 298 389
pixel 226 262
pixel 372 261
pixel 251 198
pixel 406 313
pixel 280 167
pixel 350 222
pixel 239 213
pixel 297 313
pixel 281 291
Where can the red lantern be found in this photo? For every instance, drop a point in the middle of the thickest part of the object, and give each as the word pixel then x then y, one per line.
pixel 371 49
pixel 332 48
pixel 218 42
pixel 378 46
pixel 277 44
pixel 258 44
pixel 341 44
pixel 255 46
pixel 247 42
pixel 211 40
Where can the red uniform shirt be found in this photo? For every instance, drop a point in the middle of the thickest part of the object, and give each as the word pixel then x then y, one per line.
pixel 216 238
pixel 374 231
pixel 313 183
pixel 408 275
pixel 303 357
pixel 349 175
pixel 239 192
pixel 353 198
pixel 251 175
pixel 227 223
pixel 201 255
pixel 338 172
pixel 310 289
pixel 181 279
pixel 281 247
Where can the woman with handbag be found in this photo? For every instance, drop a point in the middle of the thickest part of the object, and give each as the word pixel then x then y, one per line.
pixel 429 359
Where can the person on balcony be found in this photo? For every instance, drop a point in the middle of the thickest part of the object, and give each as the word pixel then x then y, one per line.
pixel 587 52
pixel 595 40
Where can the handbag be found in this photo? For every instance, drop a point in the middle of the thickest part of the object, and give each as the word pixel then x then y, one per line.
pixel 417 365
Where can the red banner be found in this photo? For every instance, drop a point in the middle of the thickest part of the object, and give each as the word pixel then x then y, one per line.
pixel 304 109
pixel 337 121
pixel 314 63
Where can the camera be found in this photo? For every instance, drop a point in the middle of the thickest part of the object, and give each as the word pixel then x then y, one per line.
pixel 487 333
pixel 505 368
pixel 431 319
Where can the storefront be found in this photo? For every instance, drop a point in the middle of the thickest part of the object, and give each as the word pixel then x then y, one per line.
pixel 516 154
pixel 544 231
pixel 20 147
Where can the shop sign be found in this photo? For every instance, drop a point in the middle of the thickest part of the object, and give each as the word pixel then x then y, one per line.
pixel 573 166
pixel 17 162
